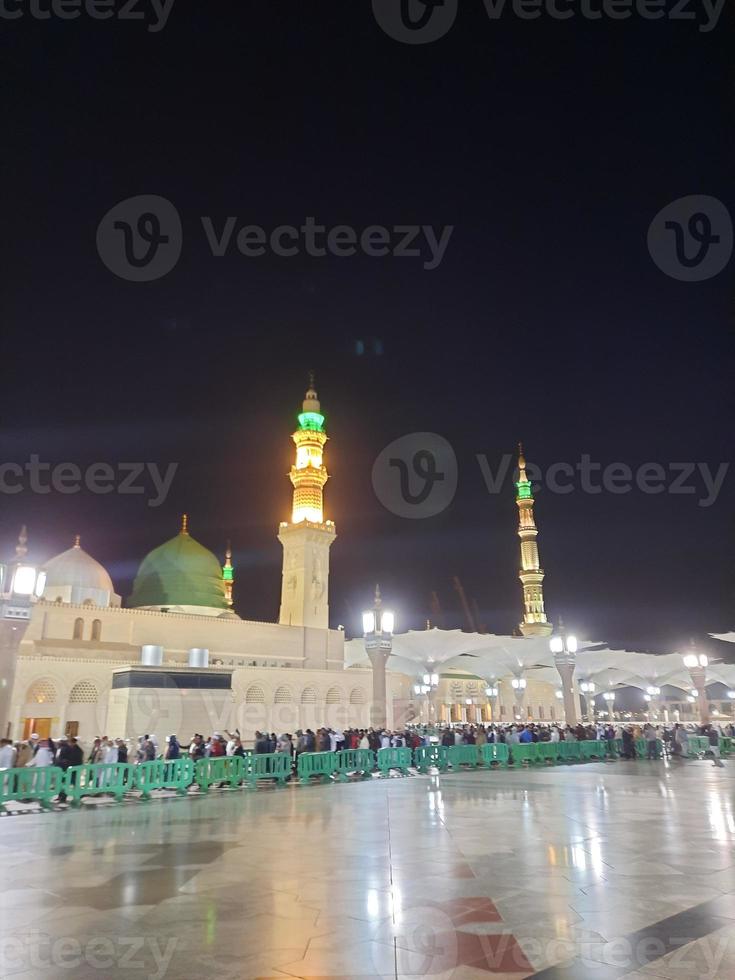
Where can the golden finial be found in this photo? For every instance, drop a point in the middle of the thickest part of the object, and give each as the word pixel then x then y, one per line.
pixel 521 462
pixel 228 555
pixel 184 524
pixel 77 541
pixel 428 624
pixel 378 597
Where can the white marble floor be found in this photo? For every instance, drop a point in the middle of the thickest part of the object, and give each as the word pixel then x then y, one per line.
pixel 595 871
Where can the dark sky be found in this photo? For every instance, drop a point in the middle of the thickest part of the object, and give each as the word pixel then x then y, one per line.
pixel 549 146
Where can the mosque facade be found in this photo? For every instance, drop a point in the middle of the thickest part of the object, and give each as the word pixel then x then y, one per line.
pixel 176 658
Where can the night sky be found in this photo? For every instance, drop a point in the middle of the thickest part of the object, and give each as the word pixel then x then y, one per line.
pixel 549 146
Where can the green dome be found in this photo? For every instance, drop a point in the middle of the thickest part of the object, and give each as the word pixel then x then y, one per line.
pixel 180 572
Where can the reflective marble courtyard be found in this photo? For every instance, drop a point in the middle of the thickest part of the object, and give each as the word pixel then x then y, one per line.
pixel 596 871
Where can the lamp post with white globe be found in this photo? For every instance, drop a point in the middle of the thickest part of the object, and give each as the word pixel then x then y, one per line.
pixel 377 627
pixel 21 584
pixel 696 664
pixel 564 647
pixel 588 688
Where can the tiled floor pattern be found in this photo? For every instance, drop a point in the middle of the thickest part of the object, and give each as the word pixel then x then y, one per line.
pixel 597 872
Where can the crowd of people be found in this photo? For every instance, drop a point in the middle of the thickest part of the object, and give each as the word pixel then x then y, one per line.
pixel 36 751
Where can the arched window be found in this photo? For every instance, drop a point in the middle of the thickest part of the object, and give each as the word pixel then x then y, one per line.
pixel 42 691
pixel 97 629
pixel 541 712
pixel 78 633
pixel 255 695
pixel 334 696
pixel 357 696
pixel 84 692
pixel 282 696
pixel 308 696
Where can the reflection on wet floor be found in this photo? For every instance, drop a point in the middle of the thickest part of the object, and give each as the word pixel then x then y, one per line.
pixel 467 875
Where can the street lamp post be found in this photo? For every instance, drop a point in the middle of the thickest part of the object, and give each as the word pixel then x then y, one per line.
pixel 491 693
pixel 427 687
pixel 609 698
pixel 564 648
pixel 696 664
pixel 377 627
pixel 21 584
pixel 519 692
pixel 588 689
pixel 651 697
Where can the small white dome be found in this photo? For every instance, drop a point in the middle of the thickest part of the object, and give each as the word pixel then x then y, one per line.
pixel 75 577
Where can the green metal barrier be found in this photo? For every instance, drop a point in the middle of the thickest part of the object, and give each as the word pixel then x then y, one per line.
pixel 570 751
pixel 39 783
pixel 494 752
pixel 698 744
pixel 426 756
pixel 222 769
pixel 359 762
pixel 394 759
pixel 462 755
pixel 548 751
pixel 524 752
pixel 316 764
pixel 175 774
pixel 614 747
pixel 726 745
pixel 592 748
pixel 641 748
pixel 98 779
pixel 267 765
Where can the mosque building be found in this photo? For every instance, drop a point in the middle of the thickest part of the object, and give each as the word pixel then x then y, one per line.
pixel 176 658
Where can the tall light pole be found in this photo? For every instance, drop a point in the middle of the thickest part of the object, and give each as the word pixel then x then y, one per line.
pixel 21 584
pixel 491 693
pixel 564 648
pixel 588 689
pixel 651 697
pixel 377 627
pixel 519 692
pixel 427 687
pixel 609 698
pixel 696 664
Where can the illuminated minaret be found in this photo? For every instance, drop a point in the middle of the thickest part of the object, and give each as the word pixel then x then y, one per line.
pixel 531 574
pixel 228 575
pixel 307 539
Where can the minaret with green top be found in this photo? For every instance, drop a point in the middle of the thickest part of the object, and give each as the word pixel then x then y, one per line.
pixel 308 537
pixel 228 575
pixel 531 574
